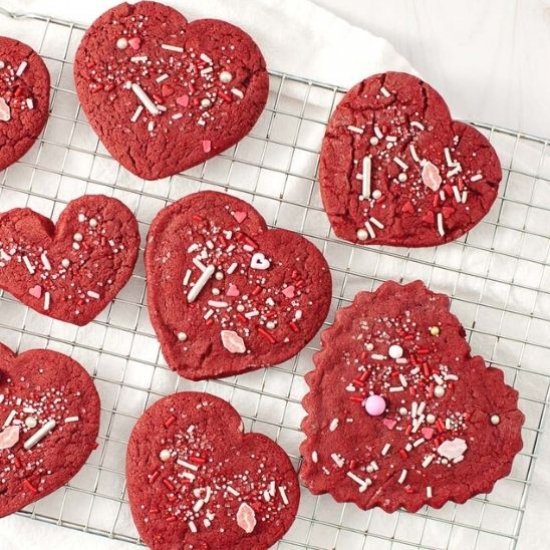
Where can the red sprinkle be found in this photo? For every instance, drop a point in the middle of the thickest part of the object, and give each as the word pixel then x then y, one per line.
pixel 28 485
pixel 294 326
pixel 169 421
pixel 168 484
pixel 266 335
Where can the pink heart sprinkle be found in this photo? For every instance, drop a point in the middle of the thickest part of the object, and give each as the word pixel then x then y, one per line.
pixel 134 42
pixel 239 216
pixel 183 100
pixel 232 290
pixel 431 176
pixel 427 433
pixel 9 437
pixel 206 145
pixel 36 291
pixel 289 291
pixel 389 423
pixel 246 518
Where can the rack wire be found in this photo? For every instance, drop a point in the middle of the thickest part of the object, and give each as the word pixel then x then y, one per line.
pixel 498 276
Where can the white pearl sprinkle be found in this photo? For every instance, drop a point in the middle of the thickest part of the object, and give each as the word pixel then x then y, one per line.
pixel 376 194
pixel 164 455
pixel 430 418
pixel 226 77
pixel 78 237
pixel 362 234
pixel 31 422
pixel 182 336
pixel 495 419
pixel 270 325
pixel 122 43
pixel 402 411
pixel 93 222
pixel 439 391
pixel 65 262
pixel 205 102
pixel 395 351
pixel 374 140
pixel 219 276
pixel 402 177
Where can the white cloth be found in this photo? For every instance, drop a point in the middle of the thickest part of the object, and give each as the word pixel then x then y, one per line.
pixel 296 37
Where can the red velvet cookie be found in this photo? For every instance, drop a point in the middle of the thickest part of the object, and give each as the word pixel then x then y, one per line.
pixel 195 481
pixel 72 270
pixel 399 413
pixel 164 94
pixel 226 295
pixel 396 169
pixel 49 420
pixel 24 99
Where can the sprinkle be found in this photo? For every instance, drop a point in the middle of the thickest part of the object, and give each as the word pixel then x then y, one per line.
pixel 366 173
pixel 206 145
pixel 440 228
pixel 456 170
pixel 29 102
pixel 177 116
pixel 162 78
pixel 400 163
pixel 39 435
pixel 416 124
pixel 144 98
pixel 21 68
pixel 187 465
pixel 139 59
pixel 237 92
pixel 477 177
pixel 47 300
pixel 391 139
pixel 205 58
pixel 189 476
pixel 429 493
pixel 386 449
pixel 208 314
pixel 137 113
pixel 171 48
pixel 495 419
pixel 71 419
pixel 283 495
pixel 362 234
pixel 385 92
pixel 333 424
pixel 201 283
pixel 45 261
pixel 314 457
pixel 402 477
pixel 338 460
pixel 378 133
pixel 182 336
pixel 198 505
pixel 226 77
pixel 439 391
pixel 93 294
pixel 448 158
pixel 419 442
pixel 230 489
pixel 4 256
pixel 187 277
pixel 192 526
pixel 395 389
pixel 9 419
pixel 414 155
pixel 122 43
pixel 28 265
pixel 464 195
pixel 378 357
pixel 232 268
pixel 427 461
pixel 217 304
pixel 355 129
pixel 403 380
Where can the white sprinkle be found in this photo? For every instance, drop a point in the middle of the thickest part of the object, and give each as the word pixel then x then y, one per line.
pixel 456 170
pixel 201 283
pixel 283 495
pixel 314 457
pixel 198 505
pixel 150 126
pixel 400 163
pixel 144 98
pixel 28 265
pixel 386 449
pixel 456 193
pixel 448 158
pixel 421 408
pixel 177 116
pixel 187 465
pixel 30 104
pixel 232 268
pixel 366 173
pixel 182 336
pixel 338 460
pixel 187 277
pixel 333 424
pixel 355 129
pixel 395 389
pixel 39 435
pixel 161 78
pixel 188 475
pixel 21 68
pixel 408 447
pixel 6 257
pixel 448 424
pixel 139 59
pixel 363 483
pixel 477 177
pixel 378 133
pixel 192 526
pixel 9 419
pixel 419 442
pixel 442 195
pixel 205 58
pixel 171 48
pixel 403 380
pixel 495 419
pixel 414 155
pixel 232 491
pixel 137 113
pixel 208 314
pixel 71 419
pixel 218 304
pixel 464 196
pixel 370 230
pixel 237 92
pixel 45 261
pixel 378 357
pixel 362 234
pixel 438 379
pixel 416 124
pixel 402 477
pixel 93 294
pixel 391 139
pixel 267 496
pixel 385 92
pixel 251 314
pixel 47 300
pixel 429 493
pixel 427 461
pixel 440 227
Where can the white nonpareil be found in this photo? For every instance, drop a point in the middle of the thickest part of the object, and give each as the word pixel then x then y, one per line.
pixel 452 448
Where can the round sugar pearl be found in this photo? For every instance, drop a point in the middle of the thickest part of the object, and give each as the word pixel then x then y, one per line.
pixel 362 234
pixel 395 351
pixel 182 336
pixel 430 418
pixel 402 177
pixel 434 331
pixel 376 194
pixel 78 237
pixel 122 43
pixel 495 419
pixel 373 140
pixel 31 422
pixel 226 77
pixel 375 405
pixel 205 102
pixel 164 455
pixel 439 391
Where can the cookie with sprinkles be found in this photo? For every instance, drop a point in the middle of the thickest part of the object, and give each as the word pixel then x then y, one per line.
pixel 400 414
pixel 196 480
pixel 397 170
pixel 70 271
pixel 165 94
pixel 24 99
pixel 49 421
pixel 226 295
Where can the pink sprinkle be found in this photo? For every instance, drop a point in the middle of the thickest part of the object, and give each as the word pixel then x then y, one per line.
pixel 232 290
pixel 232 342
pixel 289 291
pixel 240 216
pixel 431 176
pixel 246 518
pixel 5 112
pixel 183 100
pixel 206 145
pixel 134 42
pixel 375 405
pixel 427 433
pixel 9 437
pixel 36 291
pixel 389 423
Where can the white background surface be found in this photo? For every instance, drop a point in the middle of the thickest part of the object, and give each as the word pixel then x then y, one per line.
pixel 488 58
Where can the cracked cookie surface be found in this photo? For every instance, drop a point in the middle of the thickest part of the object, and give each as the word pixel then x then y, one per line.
pixel 226 295
pixel 399 413
pixel 396 169
pixel 165 94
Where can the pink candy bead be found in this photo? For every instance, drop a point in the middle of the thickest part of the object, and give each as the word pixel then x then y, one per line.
pixel 375 405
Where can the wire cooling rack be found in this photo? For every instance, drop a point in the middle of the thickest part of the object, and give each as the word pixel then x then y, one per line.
pixel 497 276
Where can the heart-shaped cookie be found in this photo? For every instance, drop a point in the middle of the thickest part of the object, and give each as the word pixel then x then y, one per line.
pixel 72 270
pixel 24 99
pixel 196 481
pixel 399 413
pixel 225 294
pixel 49 420
pixel 396 169
pixel 164 94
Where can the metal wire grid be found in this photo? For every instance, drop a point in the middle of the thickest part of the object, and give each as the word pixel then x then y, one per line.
pixel 497 275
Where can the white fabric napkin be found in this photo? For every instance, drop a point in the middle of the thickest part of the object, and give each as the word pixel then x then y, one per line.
pixel 296 37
